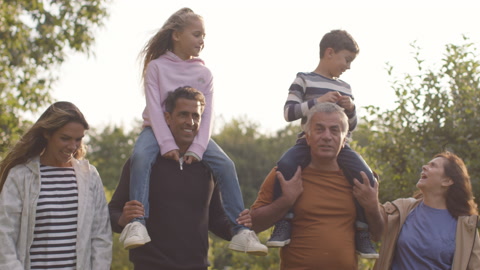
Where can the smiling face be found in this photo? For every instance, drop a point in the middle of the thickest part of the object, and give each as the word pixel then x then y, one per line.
pixel 184 122
pixel 188 43
pixel 326 136
pixel 62 144
pixel 433 176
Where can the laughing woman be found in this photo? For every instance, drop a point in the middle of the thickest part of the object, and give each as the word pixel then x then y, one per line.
pixel 437 229
pixel 53 212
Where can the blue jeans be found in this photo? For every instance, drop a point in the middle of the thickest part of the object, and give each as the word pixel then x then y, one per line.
pixel 144 156
pixel 225 174
pixel 349 161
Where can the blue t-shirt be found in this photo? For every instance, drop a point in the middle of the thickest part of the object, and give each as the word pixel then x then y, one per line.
pixel 426 241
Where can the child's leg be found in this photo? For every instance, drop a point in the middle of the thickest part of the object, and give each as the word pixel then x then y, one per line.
pixel 298 155
pixel 363 244
pixel 225 174
pixel 352 164
pixel 144 155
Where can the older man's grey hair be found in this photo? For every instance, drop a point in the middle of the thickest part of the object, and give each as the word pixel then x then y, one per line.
pixel 327 107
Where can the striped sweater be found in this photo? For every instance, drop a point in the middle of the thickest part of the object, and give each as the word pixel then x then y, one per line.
pixel 305 90
pixel 55 231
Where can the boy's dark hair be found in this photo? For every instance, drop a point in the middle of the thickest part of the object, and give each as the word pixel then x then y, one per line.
pixel 186 92
pixel 338 40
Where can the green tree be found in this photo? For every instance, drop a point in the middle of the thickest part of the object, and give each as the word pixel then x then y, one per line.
pixel 253 153
pixel 35 37
pixel 436 110
pixel 109 148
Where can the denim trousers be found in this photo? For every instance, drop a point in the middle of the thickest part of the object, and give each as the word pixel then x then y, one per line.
pixel 144 156
pixel 349 161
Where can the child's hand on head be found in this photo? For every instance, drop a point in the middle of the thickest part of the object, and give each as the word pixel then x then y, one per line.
pixel 332 97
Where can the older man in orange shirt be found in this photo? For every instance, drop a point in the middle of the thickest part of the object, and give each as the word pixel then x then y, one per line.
pixel 323 228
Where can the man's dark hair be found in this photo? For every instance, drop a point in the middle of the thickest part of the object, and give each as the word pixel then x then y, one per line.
pixel 186 92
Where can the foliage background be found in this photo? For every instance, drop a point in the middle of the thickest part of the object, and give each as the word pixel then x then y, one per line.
pixel 35 37
pixel 436 109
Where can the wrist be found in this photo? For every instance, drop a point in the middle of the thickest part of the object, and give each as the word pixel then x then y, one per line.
pixel 287 201
pixel 192 154
pixel 350 111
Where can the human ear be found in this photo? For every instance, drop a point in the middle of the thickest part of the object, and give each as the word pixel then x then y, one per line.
pixel 329 52
pixel 168 117
pixel 307 138
pixel 447 182
pixel 176 35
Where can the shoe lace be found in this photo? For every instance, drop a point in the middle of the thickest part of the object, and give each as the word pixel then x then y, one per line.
pixel 134 230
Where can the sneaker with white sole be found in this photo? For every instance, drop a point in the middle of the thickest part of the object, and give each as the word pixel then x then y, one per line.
pixel 363 245
pixel 247 241
pixel 134 235
pixel 281 234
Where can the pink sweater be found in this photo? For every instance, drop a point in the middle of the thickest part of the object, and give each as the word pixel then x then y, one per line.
pixel 165 74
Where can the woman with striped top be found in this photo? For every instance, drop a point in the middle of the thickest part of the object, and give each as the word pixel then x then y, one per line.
pixel 53 211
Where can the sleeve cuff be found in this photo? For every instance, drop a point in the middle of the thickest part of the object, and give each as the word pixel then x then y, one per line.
pixel 190 153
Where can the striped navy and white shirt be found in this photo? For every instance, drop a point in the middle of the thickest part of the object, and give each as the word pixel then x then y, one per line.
pixel 305 90
pixel 55 235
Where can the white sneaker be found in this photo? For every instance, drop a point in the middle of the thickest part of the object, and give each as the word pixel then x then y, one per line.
pixel 247 241
pixel 134 235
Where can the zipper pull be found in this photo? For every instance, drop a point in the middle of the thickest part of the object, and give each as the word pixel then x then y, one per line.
pixel 181 163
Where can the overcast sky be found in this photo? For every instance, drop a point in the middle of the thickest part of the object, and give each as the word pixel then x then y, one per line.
pixel 255 49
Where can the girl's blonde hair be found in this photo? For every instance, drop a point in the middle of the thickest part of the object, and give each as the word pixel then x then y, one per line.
pixel 161 42
pixel 33 142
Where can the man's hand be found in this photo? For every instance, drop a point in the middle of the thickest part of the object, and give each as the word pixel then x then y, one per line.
pixel 293 188
pixel 332 97
pixel 347 103
pixel 270 212
pixel 366 195
pixel 131 210
pixel 174 154
pixel 244 218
